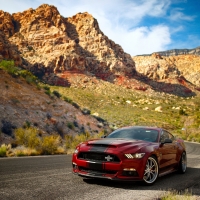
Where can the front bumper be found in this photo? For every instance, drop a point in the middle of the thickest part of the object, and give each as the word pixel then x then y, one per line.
pixel 126 169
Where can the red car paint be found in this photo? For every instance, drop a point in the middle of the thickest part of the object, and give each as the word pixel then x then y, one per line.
pixel 107 157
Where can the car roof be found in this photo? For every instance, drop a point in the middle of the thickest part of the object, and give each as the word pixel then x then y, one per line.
pixel 145 127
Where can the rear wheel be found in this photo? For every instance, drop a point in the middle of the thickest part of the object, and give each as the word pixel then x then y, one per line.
pixel 183 163
pixel 151 171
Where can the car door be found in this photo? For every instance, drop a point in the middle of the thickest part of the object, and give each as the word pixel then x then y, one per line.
pixel 167 152
pixel 175 149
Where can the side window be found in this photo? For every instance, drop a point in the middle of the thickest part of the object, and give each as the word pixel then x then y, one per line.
pixel 164 135
pixel 171 137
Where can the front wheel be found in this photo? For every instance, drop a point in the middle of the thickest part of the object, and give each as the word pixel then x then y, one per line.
pixel 151 171
pixel 183 163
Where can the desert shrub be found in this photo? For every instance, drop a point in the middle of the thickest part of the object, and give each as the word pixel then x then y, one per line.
pixel 10 67
pixel 6 127
pixel 75 124
pixel 48 92
pixel 61 150
pixel 175 195
pixel 20 153
pixel 29 77
pixel 86 111
pixel 68 140
pixel 195 137
pixel 57 94
pixel 49 115
pixel 182 112
pixel 25 152
pixel 3 149
pixel 70 125
pixel 27 137
pixel 27 124
pixel 75 105
pixel 68 100
pixel 78 139
pixel 72 141
pixel 46 87
pixel 50 144
pixel 38 87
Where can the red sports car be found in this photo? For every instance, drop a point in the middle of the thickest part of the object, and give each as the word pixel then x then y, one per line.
pixel 131 153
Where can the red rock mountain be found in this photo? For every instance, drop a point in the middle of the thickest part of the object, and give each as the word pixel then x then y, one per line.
pixel 57 49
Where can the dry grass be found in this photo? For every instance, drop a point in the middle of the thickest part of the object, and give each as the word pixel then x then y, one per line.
pixel 174 195
pixel 122 107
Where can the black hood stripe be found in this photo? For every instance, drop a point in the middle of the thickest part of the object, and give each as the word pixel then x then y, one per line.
pixel 101 145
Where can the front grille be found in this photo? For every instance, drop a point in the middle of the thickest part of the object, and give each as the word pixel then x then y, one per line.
pixel 97 172
pixel 102 157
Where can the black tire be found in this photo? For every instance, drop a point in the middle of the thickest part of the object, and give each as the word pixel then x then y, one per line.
pixel 183 163
pixel 151 171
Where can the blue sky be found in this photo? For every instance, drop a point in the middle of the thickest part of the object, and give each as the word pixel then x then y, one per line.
pixel 139 26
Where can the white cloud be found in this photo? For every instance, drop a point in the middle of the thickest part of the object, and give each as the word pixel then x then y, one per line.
pixel 143 40
pixel 178 15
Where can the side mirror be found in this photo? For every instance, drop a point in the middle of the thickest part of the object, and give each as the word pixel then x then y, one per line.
pixel 167 140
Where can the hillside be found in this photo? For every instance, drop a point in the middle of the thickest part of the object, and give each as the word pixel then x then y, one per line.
pixel 25 104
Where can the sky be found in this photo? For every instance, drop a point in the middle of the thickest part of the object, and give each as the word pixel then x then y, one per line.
pixel 138 26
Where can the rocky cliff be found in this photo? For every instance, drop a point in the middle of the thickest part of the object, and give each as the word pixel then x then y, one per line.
pixel 159 67
pixel 50 43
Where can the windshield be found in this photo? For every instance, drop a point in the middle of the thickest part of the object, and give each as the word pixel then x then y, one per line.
pixel 146 134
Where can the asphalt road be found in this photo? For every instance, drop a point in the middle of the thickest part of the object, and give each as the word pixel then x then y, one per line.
pixel 50 177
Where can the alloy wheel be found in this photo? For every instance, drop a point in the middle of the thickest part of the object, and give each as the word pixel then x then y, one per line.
pixel 151 171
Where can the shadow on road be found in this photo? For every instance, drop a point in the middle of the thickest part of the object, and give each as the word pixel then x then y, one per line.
pixel 173 181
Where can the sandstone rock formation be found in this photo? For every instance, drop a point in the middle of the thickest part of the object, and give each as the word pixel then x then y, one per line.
pixel 159 67
pixel 8 50
pixel 50 43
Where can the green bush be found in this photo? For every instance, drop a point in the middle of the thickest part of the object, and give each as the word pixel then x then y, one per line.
pixel 10 67
pixel 57 94
pixel 70 125
pixel 46 87
pixel 3 149
pixel 68 100
pixel 48 92
pixel 27 124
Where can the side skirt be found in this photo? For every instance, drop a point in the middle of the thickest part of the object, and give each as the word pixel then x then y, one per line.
pixel 167 172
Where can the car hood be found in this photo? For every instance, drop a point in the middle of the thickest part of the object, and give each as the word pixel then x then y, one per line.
pixel 115 145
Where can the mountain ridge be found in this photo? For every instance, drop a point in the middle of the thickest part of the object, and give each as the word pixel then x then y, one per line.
pixel 175 52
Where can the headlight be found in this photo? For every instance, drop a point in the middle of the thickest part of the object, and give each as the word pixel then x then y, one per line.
pixel 76 150
pixel 135 155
